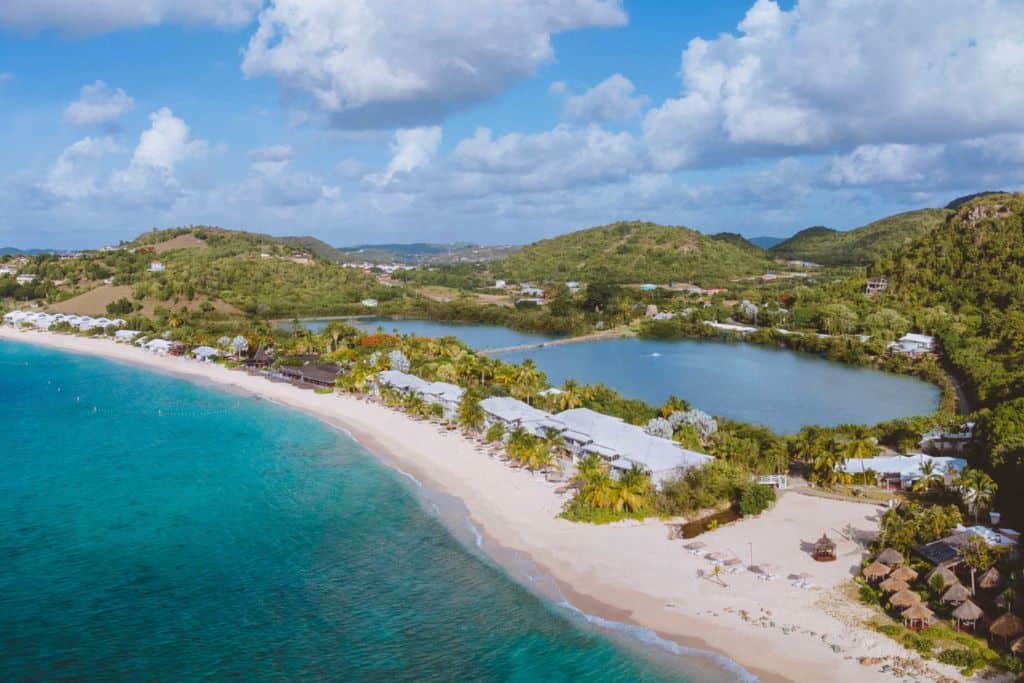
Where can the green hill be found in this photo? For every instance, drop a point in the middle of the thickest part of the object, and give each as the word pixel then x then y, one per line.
pixel 740 241
pixel 317 247
pixel 860 246
pixel 632 252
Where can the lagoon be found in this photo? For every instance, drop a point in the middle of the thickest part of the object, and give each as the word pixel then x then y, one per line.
pixel 778 388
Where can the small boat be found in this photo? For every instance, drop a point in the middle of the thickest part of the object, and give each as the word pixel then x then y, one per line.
pixel 655 355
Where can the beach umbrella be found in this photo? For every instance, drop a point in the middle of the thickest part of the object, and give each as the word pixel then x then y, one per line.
pixel 917 613
pixel 990 580
pixel 717 556
pixel 764 569
pixel 733 561
pixel 956 594
pixel 876 570
pixel 904 573
pixel 695 545
pixel 1007 627
pixel 948 577
pixel 905 598
pixel 967 612
pixel 893 585
pixel 891 557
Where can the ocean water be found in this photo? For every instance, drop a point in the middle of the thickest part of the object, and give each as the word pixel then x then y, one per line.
pixel 152 529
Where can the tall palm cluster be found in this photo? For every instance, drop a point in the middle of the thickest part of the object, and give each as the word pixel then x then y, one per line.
pixel 632 492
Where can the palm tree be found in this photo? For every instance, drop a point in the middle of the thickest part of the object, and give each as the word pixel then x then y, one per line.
pixel 633 489
pixel 571 395
pixel 674 404
pixel 930 477
pixel 977 490
pixel 471 415
pixel 859 449
pixel 600 490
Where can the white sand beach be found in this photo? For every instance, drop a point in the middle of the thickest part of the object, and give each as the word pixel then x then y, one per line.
pixel 628 572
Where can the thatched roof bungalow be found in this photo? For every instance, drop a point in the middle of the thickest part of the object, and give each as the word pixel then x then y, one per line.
pixel 917 616
pixel 904 573
pixel 956 594
pixel 967 614
pixel 894 585
pixel 890 557
pixel 876 571
pixel 1007 627
pixel 990 580
pixel 905 598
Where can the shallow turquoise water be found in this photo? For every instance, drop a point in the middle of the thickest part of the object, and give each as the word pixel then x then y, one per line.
pixel 151 529
pixel 778 388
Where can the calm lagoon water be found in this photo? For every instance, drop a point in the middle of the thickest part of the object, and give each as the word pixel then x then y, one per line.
pixel 152 529
pixel 781 389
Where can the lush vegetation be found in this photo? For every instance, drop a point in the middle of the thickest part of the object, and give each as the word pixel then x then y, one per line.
pixel 860 246
pixel 631 252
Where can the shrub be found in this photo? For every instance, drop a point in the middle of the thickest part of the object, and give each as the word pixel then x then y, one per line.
pixel 755 499
pixel 495 432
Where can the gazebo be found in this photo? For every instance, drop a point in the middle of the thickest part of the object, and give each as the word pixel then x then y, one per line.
pixel 824 549
pixel 948 577
pixel 905 598
pixel 890 557
pixel 990 580
pixel 904 573
pixel 956 594
pixel 1007 627
pixel 917 616
pixel 894 585
pixel 876 571
pixel 967 615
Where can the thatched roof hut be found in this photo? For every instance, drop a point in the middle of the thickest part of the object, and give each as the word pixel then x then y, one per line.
pixel 905 598
pixel 891 557
pixel 876 571
pixel 824 549
pixel 1007 627
pixel 893 585
pixel 956 594
pixel 967 613
pixel 948 577
pixel 990 580
pixel 1017 646
pixel 904 573
pixel 917 615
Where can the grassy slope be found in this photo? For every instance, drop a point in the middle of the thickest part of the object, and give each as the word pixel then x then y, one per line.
pixel 632 252
pixel 862 245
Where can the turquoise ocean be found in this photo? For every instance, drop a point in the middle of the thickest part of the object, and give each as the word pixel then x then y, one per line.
pixel 153 529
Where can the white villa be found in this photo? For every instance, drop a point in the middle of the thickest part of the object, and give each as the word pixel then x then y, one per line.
pixel 442 393
pixel 914 344
pixel 25 278
pixel 904 469
pixel 205 353
pixel 125 336
pixel 513 414
pixel 156 267
pixel 160 347
pixel 43 321
pixel 624 444
pixel 940 441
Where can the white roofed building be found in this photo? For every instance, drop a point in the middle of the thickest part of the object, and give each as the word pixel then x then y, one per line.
pixel 624 444
pixel 904 469
pixel 513 414
pixel 912 344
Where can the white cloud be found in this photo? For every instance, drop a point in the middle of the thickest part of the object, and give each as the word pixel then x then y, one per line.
pixel 273 183
pixel 350 168
pixel 610 100
pixel 76 173
pixel 894 163
pixel 81 17
pixel 828 75
pixel 411 149
pixel 400 63
pixel 272 153
pixel 98 104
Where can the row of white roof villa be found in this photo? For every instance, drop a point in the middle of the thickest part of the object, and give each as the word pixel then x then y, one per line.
pixel 43 321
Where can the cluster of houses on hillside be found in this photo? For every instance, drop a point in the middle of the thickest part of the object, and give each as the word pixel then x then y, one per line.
pixel 582 430
pixel 44 321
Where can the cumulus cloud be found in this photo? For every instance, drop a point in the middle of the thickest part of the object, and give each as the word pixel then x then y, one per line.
pixel 80 17
pixel 610 100
pixel 828 75
pixel 273 183
pixel 98 105
pixel 76 173
pixel 273 153
pixel 893 163
pixel 400 63
pixel 411 149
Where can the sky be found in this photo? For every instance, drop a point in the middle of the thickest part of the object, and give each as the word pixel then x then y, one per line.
pixel 507 121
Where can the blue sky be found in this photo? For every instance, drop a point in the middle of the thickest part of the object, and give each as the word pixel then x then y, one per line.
pixel 497 122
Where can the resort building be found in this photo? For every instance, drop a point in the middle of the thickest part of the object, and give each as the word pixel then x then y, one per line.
pixel 8 270
pixel 126 336
pixel 912 344
pixel 160 347
pixel 946 551
pixel 876 285
pixel 901 471
pixel 316 374
pixel 529 290
pixel 513 414
pixel 156 267
pixel 940 441
pixel 43 321
pixel 624 445
pixel 441 393
pixel 205 353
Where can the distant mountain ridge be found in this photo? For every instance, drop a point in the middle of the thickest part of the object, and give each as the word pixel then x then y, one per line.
pixel 766 242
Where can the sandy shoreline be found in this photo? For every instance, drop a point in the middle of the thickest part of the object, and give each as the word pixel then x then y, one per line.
pixel 629 572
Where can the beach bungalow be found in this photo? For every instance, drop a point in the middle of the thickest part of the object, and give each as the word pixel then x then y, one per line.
pixel 399 381
pixel 1007 627
pixel 126 336
pixel 903 470
pixel 957 594
pixel 316 374
pixel 912 344
pixel 938 440
pixel 160 347
pixel 967 615
pixel 205 353
pixel 513 414
pixel 624 445
pixel 260 360
pixel 445 395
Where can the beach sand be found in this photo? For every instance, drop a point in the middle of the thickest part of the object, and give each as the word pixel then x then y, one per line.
pixel 628 572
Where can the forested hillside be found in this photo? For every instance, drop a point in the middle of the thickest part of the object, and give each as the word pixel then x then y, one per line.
pixel 860 246
pixel 632 252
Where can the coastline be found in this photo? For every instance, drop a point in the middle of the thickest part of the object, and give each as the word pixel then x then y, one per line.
pixel 595 567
